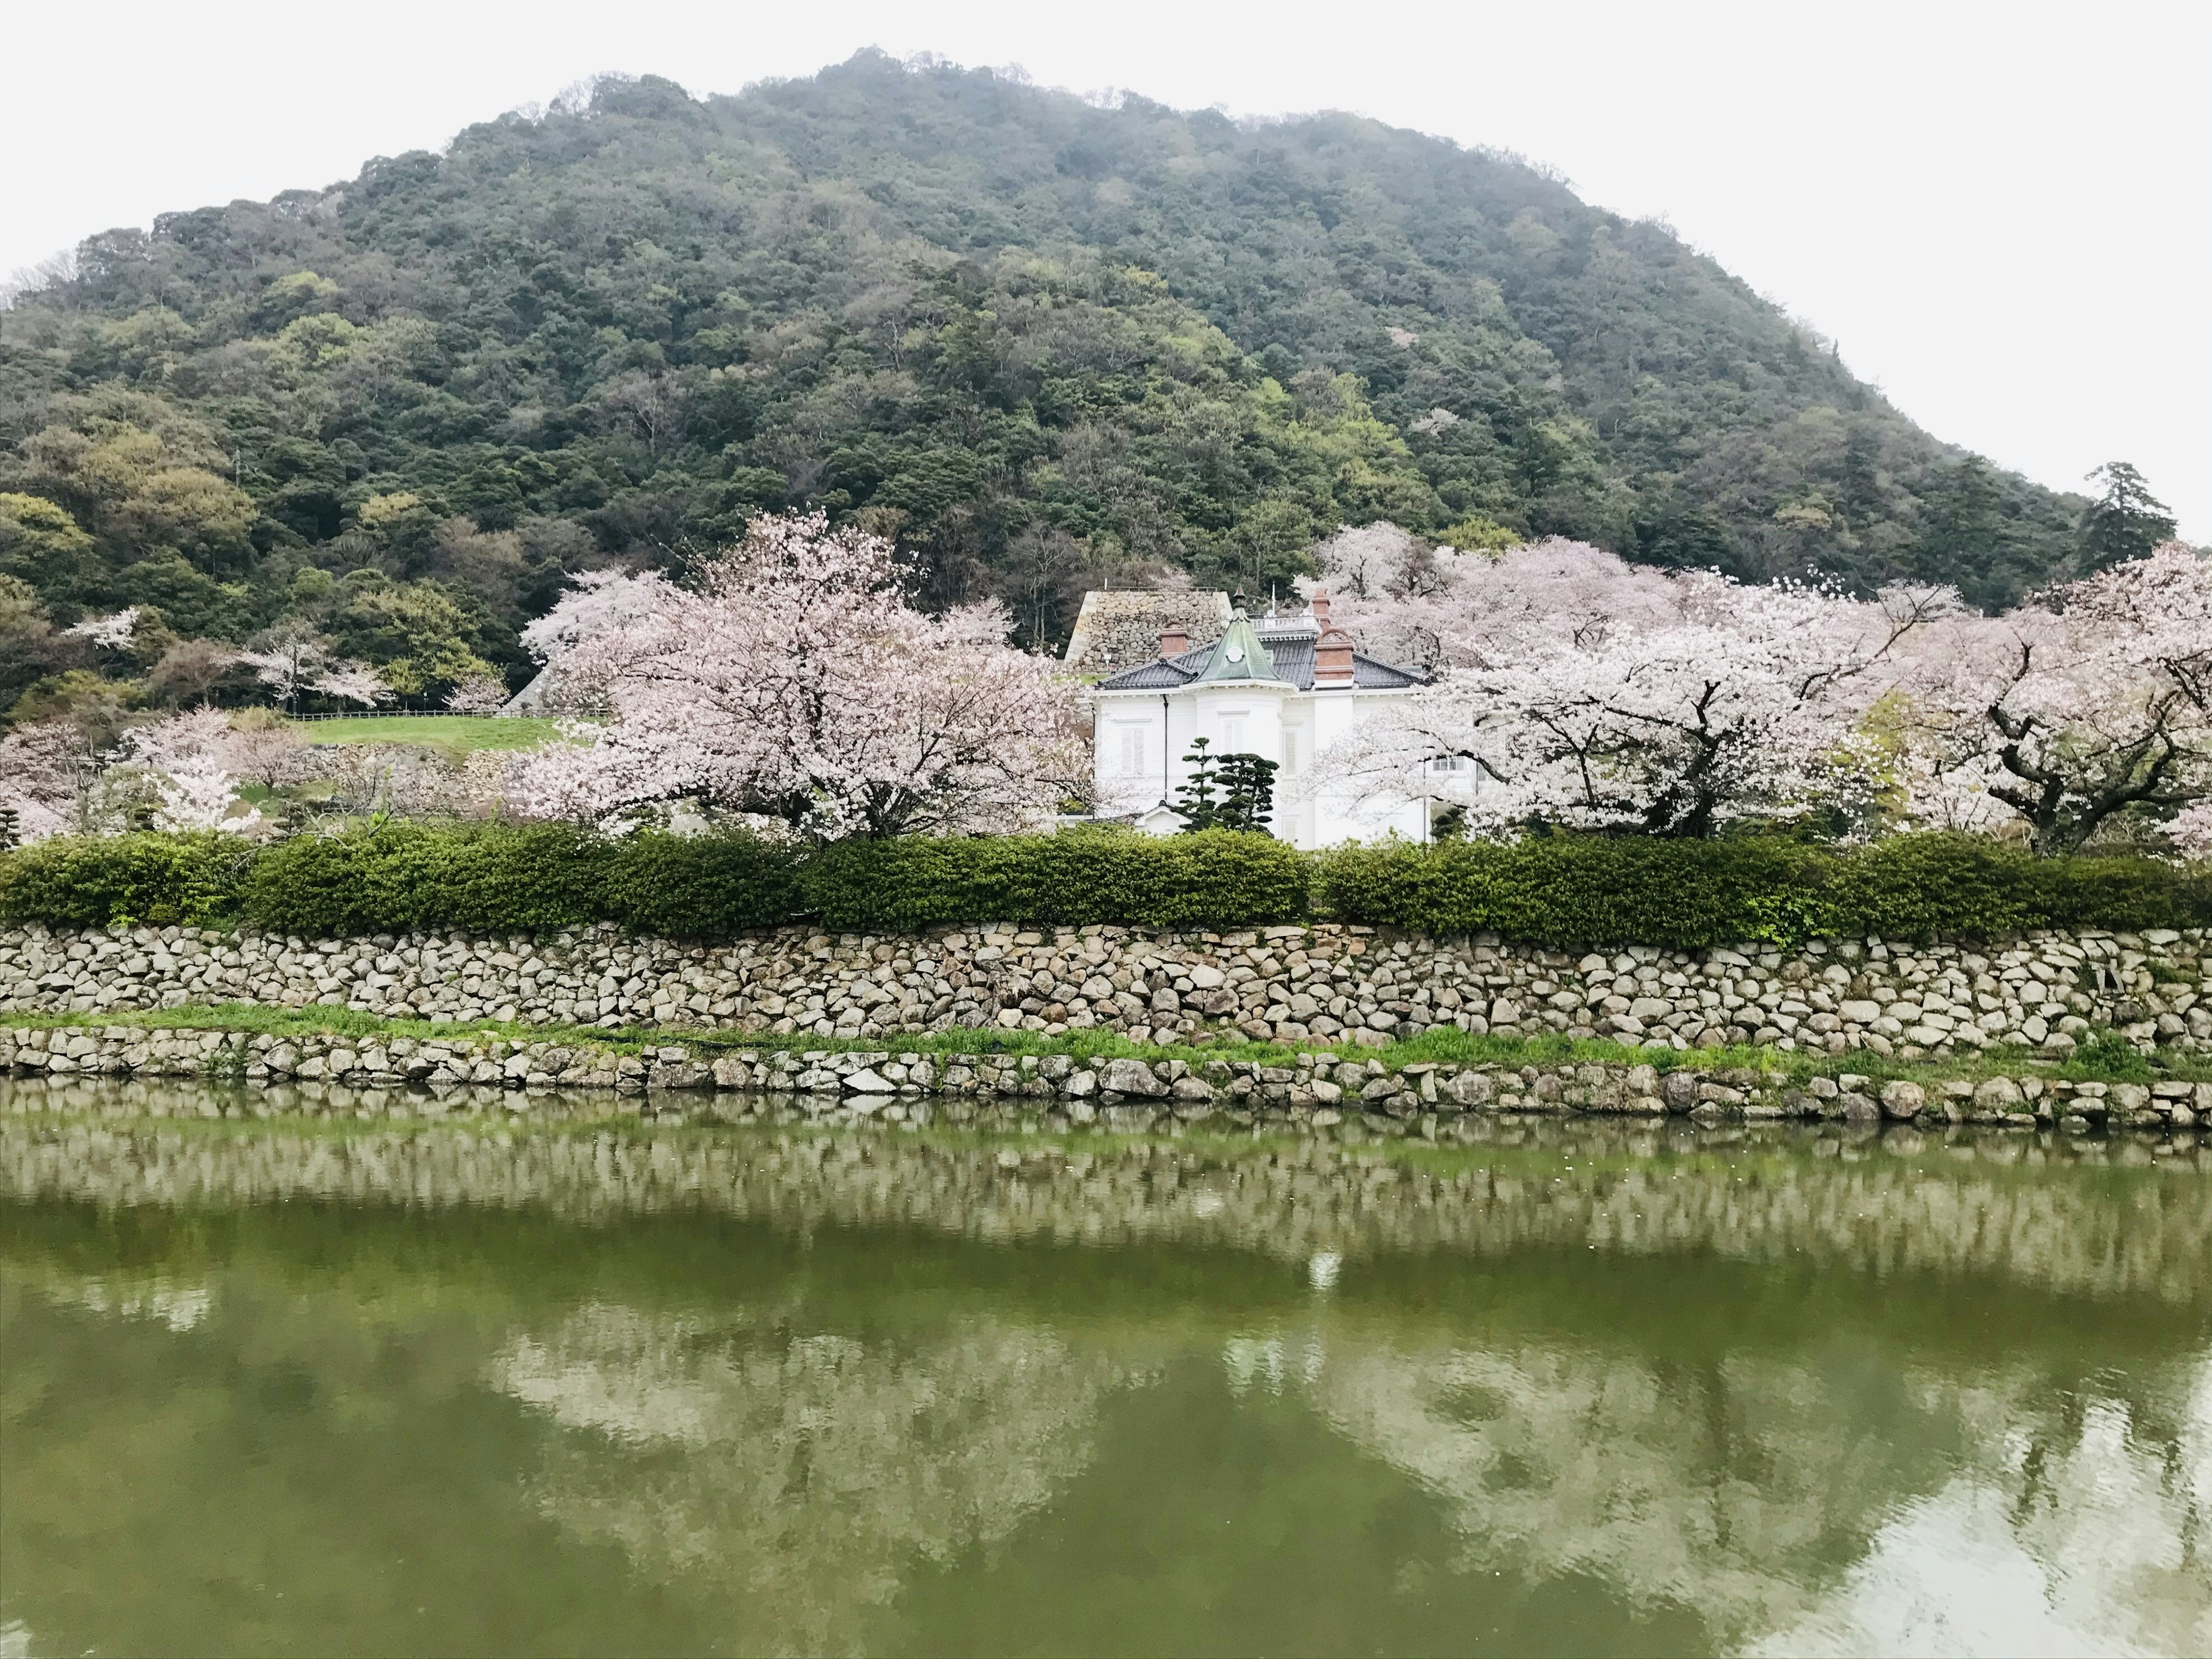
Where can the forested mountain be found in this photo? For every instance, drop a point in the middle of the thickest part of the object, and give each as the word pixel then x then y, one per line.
pixel 1042 342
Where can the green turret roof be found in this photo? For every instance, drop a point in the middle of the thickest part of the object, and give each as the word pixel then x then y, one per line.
pixel 1238 654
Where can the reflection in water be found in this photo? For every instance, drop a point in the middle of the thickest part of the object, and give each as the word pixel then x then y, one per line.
pixel 2059 1526
pixel 388 1388
pixel 804 1469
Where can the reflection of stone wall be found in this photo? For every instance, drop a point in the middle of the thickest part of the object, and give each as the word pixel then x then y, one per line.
pixel 1290 984
pixel 2036 1211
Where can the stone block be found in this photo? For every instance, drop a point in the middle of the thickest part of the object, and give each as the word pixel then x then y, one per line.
pixel 1903 1100
pixel 1132 1077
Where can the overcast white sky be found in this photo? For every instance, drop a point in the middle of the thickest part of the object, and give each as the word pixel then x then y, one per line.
pixel 2003 212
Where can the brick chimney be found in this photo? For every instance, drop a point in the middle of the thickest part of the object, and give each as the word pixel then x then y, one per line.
pixel 1173 641
pixel 1332 658
pixel 1321 609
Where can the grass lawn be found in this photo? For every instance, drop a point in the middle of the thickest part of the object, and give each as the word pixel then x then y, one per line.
pixel 452 731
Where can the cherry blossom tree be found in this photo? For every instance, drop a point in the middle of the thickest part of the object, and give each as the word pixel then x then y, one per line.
pixel 266 748
pixel 2085 711
pixel 2191 829
pixel 599 603
pixel 796 684
pixel 174 774
pixel 51 782
pixel 479 694
pixel 292 661
pixel 185 762
pixel 1435 607
pixel 1579 690
pixel 111 633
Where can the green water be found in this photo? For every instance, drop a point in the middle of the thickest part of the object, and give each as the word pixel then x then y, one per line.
pixel 385 1387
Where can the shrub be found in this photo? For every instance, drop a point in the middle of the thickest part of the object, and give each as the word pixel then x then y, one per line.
pixel 1602 890
pixel 391 877
pixel 156 879
pixel 1215 879
pixel 698 887
pixel 1568 891
pixel 502 878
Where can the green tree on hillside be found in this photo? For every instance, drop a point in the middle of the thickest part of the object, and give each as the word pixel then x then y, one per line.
pixel 2125 521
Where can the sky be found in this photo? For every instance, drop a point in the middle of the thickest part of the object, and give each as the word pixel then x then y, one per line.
pixel 2001 213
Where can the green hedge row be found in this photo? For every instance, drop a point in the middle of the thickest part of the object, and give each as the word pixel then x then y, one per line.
pixel 1604 889
pixel 1575 891
pixel 511 879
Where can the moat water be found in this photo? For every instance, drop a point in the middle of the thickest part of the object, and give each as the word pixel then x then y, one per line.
pixel 503 1385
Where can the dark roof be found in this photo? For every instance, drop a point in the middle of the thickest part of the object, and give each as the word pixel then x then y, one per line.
pixel 1294 655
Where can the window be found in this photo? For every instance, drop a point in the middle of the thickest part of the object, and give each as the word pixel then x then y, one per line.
pixel 1132 751
pixel 1449 764
pixel 1290 751
pixel 1233 734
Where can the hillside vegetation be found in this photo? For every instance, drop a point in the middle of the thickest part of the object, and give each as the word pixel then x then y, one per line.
pixel 1043 342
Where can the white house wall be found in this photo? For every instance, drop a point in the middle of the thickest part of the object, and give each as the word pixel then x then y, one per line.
pixel 1312 722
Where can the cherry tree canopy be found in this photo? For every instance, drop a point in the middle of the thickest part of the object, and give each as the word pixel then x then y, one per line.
pixel 2090 704
pixel 1594 694
pixel 796 683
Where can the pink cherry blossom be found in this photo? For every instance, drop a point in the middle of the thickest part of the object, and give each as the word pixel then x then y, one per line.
pixel 2082 714
pixel 796 685
pixel 1592 694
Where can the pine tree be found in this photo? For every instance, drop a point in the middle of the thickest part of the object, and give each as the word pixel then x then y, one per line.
pixel 1195 802
pixel 1247 792
pixel 2126 522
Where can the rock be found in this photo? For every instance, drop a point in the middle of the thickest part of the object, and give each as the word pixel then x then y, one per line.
pixel 1132 1077
pixel 1470 1089
pixel 1191 1088
pixel 868 1081
pixel 1082 1085
pixel 1902 1100
pixel 1997 1094
pixel 1859 1013
pixel 1680 1090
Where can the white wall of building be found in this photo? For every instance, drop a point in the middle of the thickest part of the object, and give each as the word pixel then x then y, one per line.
pixel 1141 739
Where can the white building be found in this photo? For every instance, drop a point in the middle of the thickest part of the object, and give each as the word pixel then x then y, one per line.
pixel 1282 687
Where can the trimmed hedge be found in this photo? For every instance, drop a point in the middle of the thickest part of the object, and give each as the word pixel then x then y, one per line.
pixel 1572 891
pixel 162 880
pixel 1604 889
pixel 1214 878
pixel 502 878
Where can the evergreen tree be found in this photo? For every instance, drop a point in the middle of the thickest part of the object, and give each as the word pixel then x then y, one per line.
pixel 1247 792
pixel 1225 791
pixel 2125 522
pixel 1961 540
pixel 1196 802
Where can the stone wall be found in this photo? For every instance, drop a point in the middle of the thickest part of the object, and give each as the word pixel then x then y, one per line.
pixel 1317 1092
pixel 1290 984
